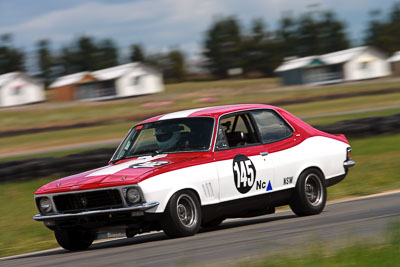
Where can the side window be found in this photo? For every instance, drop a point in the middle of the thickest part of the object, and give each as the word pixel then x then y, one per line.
pixel 136 80
pixel 17 90
pixel 271 126
pixel 363 65
pixel 236 131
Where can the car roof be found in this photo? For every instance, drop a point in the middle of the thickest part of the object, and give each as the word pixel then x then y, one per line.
pixel 215 111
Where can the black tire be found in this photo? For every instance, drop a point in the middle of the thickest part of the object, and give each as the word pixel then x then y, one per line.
pixel 74 240
pixel 182 216
pixel 310 194
pixel 213 223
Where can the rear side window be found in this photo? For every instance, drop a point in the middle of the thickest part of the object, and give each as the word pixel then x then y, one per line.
pixel 236 131
pixel 271 126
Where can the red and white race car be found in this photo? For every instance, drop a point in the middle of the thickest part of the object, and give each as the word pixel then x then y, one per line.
pixel 194 168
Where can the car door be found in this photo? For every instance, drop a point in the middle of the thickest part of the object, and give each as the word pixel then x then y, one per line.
pixel 280 140
pixel 242 162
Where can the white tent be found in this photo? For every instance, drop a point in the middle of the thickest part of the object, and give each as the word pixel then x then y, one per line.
pixel 17 88
pixel 68 79
pixel 352 64
pixel 395 57
pixel 394 62
pixel 120 81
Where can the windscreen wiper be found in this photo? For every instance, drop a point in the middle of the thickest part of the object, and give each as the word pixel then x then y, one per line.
pixel 116 160
pixel 156 152
pixel 153 153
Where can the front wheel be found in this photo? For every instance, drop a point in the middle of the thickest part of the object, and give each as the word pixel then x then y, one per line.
pixel 182 216
pixel 74 240
pixel 310 194
pixel 213 223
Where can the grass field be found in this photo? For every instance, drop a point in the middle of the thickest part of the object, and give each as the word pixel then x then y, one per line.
pixel 377 170
pixel 347 104
pixel 361 253
pixel 28 142
pixel 377 157
pixel 60 153
pixel 117 130
pixel 325 120
pixel 183 96
pixel 19 232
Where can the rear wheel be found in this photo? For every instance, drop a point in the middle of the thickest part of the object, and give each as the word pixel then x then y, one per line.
pixel 310 193
pixel 182 216
pixel 73 239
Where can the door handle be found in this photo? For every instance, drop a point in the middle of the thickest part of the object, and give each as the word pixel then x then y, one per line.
pixel 264 153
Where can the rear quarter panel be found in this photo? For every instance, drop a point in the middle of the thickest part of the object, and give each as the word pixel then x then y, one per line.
pixel 324 153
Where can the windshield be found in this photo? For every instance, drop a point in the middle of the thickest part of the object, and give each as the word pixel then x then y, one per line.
pixel 175 135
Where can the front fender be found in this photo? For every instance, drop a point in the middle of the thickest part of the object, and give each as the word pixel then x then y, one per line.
pixel 203 179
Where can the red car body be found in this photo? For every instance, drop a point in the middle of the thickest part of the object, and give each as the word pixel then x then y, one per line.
pixel 248 159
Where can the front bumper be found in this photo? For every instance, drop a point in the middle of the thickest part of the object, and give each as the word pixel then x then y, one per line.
pixel 141 207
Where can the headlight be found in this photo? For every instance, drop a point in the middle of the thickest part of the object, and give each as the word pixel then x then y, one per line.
pixel 133 196
pixel 45 205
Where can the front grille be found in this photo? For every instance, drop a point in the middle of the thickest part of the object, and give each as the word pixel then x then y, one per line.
pixel 102 199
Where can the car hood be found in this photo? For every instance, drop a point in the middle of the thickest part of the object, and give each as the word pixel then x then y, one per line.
pixel 125 172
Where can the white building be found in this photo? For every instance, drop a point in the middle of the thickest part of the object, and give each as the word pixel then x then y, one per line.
pixel 352 64
pixel 121 81
pixel 17 88
pixel 394 62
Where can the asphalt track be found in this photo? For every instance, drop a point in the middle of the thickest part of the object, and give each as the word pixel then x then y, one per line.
pixel 237 240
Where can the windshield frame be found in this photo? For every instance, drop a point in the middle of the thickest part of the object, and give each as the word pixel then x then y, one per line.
pixel 130 132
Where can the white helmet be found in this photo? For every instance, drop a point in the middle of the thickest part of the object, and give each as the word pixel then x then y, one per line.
pixel 167 136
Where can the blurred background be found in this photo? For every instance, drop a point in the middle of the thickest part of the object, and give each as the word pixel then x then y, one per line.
pixel 75 76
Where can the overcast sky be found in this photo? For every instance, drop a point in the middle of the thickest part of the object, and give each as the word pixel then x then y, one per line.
pixel 158 24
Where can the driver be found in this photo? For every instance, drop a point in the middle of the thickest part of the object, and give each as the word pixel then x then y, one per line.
pixel 167 136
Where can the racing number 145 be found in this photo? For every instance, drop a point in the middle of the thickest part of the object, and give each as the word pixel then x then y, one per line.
pixel 244 172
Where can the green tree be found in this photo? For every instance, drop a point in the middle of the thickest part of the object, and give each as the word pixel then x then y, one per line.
pixel 171 64
pixel 85 54
pixel 259 50
pixel 384 33
pixel 320 33
pixel 11 59
pixel 223 46
pixel 45 61
pixel 137 53
pixel 65 62
pixel 107 54
pixel 333 33
pixel 174 69
pixel 308 36
pixel 286 35
pixel 312 33
pixel 253 47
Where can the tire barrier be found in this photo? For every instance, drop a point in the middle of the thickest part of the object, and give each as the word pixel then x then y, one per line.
pixel 29 169
pixel 364 127
pixel 332 97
